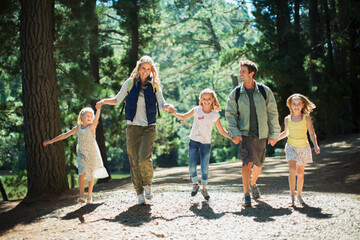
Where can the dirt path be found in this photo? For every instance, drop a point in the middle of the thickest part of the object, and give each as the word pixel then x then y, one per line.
pixel 331 191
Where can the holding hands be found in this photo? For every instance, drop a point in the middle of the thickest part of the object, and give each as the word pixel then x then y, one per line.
pixel 236 139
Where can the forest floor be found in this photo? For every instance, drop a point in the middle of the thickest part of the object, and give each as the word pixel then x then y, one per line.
pixel 331 192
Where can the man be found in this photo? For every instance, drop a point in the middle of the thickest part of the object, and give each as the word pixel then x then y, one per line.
pixel 252 117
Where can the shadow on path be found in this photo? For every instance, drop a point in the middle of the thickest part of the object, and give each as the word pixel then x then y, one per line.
pixel 205 211
pixel 134 216
pixel 263 212
pixel 31 209
pixel 88 208
pixel 312 212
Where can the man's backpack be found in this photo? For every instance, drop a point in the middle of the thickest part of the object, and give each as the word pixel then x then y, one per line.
pixel 237 95
pixel 129 87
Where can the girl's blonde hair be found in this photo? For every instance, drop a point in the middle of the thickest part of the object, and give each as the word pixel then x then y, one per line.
pixel 155 81
pixel 82 112
pixel 215 104
pixel 308 105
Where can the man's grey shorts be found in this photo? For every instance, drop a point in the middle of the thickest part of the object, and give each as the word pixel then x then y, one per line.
pixel 253 150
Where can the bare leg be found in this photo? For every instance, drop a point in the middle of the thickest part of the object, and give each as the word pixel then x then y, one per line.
pixel 292 176
pixel 255 174
pixel 90 189
pixel 82 184
pixel 246 175
pixel 300 179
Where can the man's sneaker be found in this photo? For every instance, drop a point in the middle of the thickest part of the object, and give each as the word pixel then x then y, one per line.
pixel 255 193
pixel 148 192
pixel 89 201
pixel 292 200
pixel 195 189
pixel 246 201
pixel 205 194
pixel 301 201
pixel 141 199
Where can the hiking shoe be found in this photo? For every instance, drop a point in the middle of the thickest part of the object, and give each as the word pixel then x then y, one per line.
pixel 148 192
pixel 81 200
pixel 205 194
pixel 292 200
pixel 255 193
pixel 301 201
pixel 246 201
pixel 195 189
pixel 141 199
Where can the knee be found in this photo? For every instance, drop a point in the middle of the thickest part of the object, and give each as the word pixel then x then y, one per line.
pixel 300 174
pixel 292 169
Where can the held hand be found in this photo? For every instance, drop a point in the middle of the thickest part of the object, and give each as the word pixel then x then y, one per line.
pixel 45 143
pixel 171 109
pixel 236 139
pixel 98 106
pixel 99 103
pixel 317 150
pixel 272 142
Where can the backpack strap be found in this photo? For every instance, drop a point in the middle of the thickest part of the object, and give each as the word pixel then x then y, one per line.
pixel 262 90
pixel 237 95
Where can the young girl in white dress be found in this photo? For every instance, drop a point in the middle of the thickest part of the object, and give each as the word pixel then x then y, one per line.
pixel 89 159
pixel 205 116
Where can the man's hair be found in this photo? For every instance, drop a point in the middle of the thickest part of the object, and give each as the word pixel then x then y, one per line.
pixel 252 67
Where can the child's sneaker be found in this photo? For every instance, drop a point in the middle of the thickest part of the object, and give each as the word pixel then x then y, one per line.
pixel 255 193
pixel 89 201
pixel 81 200
pixel 301 201
pixel 141 199
pixel 292 200
pixel 246 201
pixel 205 194
pixel 148 192
pixel 195 189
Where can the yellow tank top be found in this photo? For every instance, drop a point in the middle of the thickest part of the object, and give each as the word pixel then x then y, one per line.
pixel 297 132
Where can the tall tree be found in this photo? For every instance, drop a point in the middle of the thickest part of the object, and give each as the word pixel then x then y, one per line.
pixel 46 166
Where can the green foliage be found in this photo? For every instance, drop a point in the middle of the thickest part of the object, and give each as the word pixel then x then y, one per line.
pixel 16 186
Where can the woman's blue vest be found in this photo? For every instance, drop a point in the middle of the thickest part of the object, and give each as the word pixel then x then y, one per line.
pixel 150 102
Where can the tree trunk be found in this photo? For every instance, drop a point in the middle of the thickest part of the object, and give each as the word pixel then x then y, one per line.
pixel 134 51
pixel 94 70
pixel 315 39
pixel 3 192
pixel 235 81
pixel 330 57
pixel 45 165
pixel 297 16
pixel 282 26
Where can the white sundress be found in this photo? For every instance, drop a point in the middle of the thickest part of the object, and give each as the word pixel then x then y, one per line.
pixel 88 155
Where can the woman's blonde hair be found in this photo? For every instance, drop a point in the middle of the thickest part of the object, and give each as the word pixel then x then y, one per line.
pixel 82 112
pixel 155 81
pixel 215 104
pixel 308 105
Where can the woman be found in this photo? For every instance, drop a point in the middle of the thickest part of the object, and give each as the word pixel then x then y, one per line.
pixel 142 92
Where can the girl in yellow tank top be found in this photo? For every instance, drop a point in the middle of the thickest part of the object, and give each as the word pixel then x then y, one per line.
pixel 297 148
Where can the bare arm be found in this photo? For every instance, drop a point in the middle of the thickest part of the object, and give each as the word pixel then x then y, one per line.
pixel 96 120
pixel 312 134
pixel 108 101
pixel 222 131
pixel 61 136
pixel 184 115
pixel 284 133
